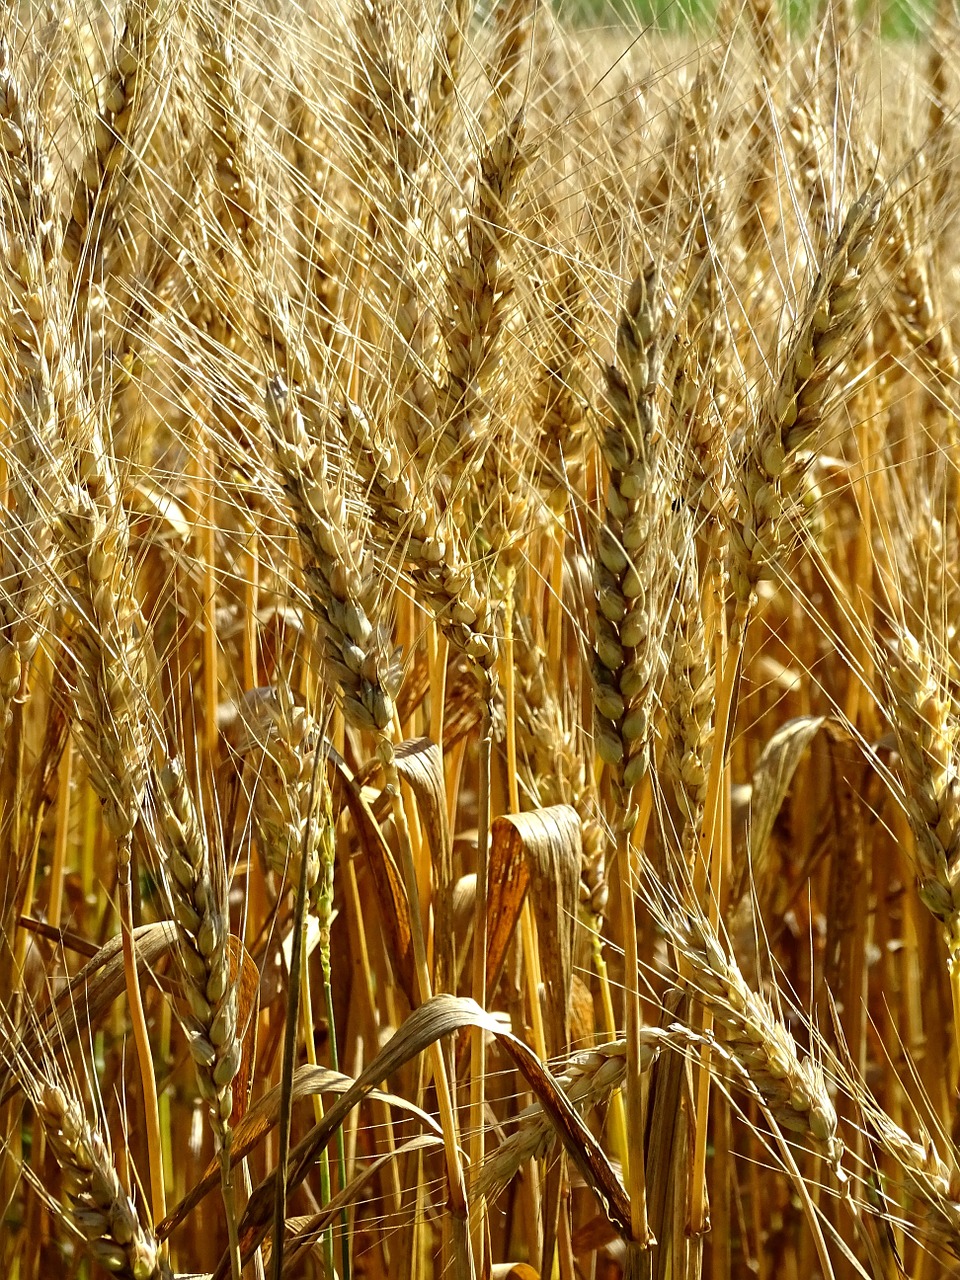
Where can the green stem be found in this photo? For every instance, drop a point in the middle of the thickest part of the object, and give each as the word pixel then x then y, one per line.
pixel 140 1035
pixel 341 1144
pixel 229 1201
pixel 324 1161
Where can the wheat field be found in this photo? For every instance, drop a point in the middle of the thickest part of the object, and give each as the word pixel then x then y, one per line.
pixel 479 643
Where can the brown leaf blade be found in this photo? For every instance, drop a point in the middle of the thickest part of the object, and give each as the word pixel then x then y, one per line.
pixel 552 846
pixel 508 880
pixel 386 878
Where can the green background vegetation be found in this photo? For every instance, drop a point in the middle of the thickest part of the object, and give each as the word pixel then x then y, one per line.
pixel 898 18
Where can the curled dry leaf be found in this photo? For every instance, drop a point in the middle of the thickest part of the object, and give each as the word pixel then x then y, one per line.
pixel 540 850
pixel 771 781
pixel 420 763
pixel 386 878
pixel 438 1017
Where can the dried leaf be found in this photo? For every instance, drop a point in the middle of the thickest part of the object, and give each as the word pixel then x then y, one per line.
pixel 420 763
pixel 550 843
pixel 387 881
pixel 89 995
pixel 771 782
pixel 550 838
pixel 441 1016
pixel 508 878
pixel 262 1118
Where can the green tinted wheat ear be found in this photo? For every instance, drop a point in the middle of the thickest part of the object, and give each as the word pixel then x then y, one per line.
pixel 789 423
pixel 294 825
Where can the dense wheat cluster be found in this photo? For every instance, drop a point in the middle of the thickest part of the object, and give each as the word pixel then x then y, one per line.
pixel 479 654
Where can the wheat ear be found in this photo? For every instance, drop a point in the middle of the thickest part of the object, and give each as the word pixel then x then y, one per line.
pixel 103 625
pixel 421 539
pixel 930 1178
pixel 97 1207
pixel 478 288
pixel 793 1088
pixel 588 1079
pixel 28 250
pixel 344 586
pixel 791 417
pixel 96 241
